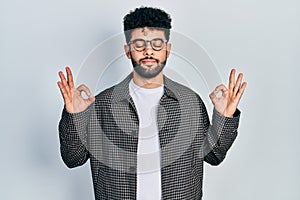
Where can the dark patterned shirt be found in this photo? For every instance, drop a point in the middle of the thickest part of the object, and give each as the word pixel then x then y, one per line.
pixel 107 134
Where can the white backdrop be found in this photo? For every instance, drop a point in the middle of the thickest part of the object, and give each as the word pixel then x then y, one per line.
pixel 259 38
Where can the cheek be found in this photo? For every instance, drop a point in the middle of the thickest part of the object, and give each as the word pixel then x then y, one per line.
pixel 135 56
pixel 163 56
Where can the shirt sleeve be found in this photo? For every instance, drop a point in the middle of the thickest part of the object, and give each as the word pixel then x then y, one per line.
pixel 220 136
pixel 73 137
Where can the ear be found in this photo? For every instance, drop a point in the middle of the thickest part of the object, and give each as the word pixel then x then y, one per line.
pixel 127 51
pixel 168 49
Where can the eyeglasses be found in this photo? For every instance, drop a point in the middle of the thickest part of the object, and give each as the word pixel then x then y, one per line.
pixel 157 44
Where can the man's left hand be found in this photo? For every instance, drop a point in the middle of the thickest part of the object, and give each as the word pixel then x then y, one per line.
pixel 227 103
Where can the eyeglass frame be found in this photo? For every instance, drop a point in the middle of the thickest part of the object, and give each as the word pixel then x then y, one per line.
pixel 165 41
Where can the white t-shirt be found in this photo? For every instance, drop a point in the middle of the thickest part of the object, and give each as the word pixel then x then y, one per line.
pixel 148 157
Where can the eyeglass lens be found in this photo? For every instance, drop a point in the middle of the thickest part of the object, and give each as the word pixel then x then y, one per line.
pixel 140 44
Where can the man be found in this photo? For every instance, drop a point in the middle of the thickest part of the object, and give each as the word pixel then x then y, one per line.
pixel 148 136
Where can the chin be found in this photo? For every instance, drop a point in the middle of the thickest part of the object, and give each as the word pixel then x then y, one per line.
pixel 148 71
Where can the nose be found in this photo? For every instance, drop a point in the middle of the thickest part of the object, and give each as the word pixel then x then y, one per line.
pixel 148 49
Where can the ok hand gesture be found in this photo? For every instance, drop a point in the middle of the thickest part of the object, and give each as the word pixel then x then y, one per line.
pixel 74 102
pixel 228 102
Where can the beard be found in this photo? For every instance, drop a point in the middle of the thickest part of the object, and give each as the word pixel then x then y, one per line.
pixel 146 72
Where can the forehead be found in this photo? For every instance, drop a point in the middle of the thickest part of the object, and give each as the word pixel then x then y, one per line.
pixel 146 33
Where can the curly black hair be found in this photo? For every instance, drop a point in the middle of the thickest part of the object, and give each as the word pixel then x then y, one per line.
pixel 147 17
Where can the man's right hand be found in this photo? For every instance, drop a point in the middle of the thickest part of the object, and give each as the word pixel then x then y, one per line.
pixel 74 102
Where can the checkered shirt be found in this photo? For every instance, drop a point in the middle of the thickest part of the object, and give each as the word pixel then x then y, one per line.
pixel 107 134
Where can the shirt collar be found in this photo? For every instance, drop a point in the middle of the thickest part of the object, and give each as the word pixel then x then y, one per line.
pixel 121 90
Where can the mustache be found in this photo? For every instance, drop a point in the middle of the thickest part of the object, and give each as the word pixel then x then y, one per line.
pixel 146 58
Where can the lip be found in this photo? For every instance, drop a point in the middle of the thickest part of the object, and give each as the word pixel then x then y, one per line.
pixel 148 61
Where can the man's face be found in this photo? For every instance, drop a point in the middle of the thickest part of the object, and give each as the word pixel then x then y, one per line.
pixel 148 62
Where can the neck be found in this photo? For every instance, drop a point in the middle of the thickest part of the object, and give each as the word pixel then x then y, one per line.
pixel 148 83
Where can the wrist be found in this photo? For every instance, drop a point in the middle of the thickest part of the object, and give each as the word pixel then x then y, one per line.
pixel 226 114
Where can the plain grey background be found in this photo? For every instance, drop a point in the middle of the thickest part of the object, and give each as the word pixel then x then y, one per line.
pixel 259 38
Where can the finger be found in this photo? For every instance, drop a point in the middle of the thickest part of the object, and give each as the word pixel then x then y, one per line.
pixel 241 91
pixel 238 84
pixel 219 88
pixel 86 90
pixel 231 80
pixel 64 82
pixel 63 91
pixel 212 95
pixel 70 78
